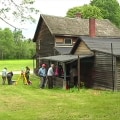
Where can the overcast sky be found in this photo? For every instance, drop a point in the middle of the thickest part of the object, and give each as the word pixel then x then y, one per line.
pixel 53 7
pixel 49 7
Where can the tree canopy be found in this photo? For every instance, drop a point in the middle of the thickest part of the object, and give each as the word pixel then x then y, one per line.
pixel 110 10
pixel 14 46
pixel 106 9
pixel 86 11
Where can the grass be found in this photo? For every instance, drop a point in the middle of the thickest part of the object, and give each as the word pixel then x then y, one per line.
pixel 24 102
pixel 28 102
pixel 16 65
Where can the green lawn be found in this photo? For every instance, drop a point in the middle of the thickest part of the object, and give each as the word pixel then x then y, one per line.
pixel 28 102
pixel 16 65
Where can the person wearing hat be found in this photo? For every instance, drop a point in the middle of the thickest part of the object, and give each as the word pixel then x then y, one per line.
pixel 42 72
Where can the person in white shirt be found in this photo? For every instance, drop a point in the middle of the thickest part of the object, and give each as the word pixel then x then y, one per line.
pixel 50 76
pixel 4 75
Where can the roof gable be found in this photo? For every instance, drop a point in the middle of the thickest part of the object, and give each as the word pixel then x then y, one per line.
pixel 83 49
pixel 105 45
pixel 76 26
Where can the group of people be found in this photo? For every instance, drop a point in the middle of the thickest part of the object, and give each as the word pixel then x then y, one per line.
pixel 8 76
pixel 46 75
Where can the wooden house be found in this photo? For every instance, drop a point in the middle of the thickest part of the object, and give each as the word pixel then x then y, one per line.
pixel 58 37
pixel 105 69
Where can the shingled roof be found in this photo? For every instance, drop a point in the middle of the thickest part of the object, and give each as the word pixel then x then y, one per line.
pixel 104 45
pixel 76 26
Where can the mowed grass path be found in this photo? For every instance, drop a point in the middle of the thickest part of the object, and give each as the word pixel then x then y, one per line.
pixel 28 102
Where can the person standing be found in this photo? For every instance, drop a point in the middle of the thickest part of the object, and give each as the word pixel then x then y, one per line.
pixel 50 76
pixel 27 75
pixel 74 75
pixel 42 72
pixel 4 75
pixel 9 77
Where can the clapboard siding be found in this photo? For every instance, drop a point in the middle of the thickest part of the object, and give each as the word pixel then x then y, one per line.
pixel 46 42
pixel 83 49
pixel 103 71
pixel 118 74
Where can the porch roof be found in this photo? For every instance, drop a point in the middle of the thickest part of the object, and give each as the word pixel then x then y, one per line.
pixel 64 58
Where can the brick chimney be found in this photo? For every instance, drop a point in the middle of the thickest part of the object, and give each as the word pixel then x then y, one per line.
pixel 78 15
pixel 92 27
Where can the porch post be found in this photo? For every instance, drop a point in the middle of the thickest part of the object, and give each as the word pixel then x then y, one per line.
pixel 64 80
pixel 78 72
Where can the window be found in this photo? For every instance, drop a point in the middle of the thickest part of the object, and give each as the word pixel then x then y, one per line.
pixel 68 41
pixel 63 42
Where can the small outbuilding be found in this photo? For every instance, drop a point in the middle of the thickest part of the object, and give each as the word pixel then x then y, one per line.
pixel 106 63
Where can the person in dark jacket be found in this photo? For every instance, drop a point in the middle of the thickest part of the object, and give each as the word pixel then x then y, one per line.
pixel 9 77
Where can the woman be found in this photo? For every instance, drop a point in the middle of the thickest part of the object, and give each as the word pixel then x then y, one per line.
pixel 27 75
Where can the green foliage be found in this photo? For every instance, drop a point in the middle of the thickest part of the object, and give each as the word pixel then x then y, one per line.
pixel 14 46
pixel 106 9
pixel 86 11
pixel 73 11
pixel 110 10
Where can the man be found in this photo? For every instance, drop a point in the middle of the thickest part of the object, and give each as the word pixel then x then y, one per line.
pixel 42 73
pixel 4 75
pixel 50 76
pixel 9 77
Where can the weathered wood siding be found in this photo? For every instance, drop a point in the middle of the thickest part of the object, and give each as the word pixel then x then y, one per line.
pixel 83 49
pixel 103 71
pixel 45 41
pixel 118 74
pixel 44 44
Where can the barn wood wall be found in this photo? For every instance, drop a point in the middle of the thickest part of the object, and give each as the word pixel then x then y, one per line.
pixel 103 71
pixel 46 41
pixel 44 44
pixel 118 74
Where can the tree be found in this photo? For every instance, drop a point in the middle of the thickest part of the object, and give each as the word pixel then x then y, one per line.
pixel 20 10
pixel 14 46
pixel 87 11
pixel 6 43
pixel 110 10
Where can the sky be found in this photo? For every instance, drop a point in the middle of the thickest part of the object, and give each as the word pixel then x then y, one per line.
pixel 49 7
